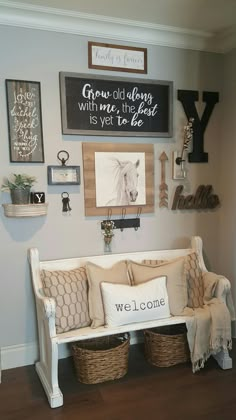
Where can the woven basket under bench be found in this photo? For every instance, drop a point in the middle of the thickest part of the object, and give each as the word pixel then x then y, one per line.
pixel 101 359
pixel 166 346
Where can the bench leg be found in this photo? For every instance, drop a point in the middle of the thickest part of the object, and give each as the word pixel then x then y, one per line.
pixel 223 359
pixel 47 368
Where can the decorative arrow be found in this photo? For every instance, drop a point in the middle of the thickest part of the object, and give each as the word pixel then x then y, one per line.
pixel 163 186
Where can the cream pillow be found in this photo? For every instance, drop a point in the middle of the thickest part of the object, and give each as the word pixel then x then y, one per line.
pixel 70 291
pixel 128 304
pixel 176 282
pixel 118 273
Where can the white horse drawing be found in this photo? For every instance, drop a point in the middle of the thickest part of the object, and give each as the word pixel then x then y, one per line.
pixel 126 181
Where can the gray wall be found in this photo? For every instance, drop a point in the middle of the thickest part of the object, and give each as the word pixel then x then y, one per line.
pixel 227 226
pixel 39 56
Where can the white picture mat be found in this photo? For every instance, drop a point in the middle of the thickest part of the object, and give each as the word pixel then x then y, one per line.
pixel 105 177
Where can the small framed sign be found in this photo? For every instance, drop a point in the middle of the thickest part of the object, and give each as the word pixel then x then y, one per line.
pixel 117 57
pixel 63 175
pixel 24 121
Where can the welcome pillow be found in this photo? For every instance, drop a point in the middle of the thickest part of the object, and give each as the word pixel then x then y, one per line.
pixel 118 273
pixel 128 304
pixel 176 280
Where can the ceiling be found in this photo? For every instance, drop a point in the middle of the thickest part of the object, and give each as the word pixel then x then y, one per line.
pixel 203 15
pixel 208 25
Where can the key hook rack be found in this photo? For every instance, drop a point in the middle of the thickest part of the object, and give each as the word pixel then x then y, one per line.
pixel 123 223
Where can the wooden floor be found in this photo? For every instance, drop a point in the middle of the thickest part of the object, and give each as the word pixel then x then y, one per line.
pixel 145 393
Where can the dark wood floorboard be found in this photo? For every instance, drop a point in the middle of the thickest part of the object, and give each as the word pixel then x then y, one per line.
pixel 145 393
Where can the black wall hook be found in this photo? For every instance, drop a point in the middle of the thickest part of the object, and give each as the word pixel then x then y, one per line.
pixel 123 214
pixel 109 214
pixel 139 211
pixel 62 159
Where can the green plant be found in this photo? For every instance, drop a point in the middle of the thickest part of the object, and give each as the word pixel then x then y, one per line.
pixel 18 181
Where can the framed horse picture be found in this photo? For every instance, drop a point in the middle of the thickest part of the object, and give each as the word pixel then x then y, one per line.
pixel 118 176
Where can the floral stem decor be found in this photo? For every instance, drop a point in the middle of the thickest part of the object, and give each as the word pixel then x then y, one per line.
pixel 108 233
pixel 188 136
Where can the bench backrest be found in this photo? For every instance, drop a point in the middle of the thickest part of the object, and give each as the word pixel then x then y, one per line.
pixel 107 260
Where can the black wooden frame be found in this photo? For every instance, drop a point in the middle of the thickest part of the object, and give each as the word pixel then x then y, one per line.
pixel 67 128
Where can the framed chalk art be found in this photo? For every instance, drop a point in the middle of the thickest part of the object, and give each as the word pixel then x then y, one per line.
pixel 118 176
pixel 115 106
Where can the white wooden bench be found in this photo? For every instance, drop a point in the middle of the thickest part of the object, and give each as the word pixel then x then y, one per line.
pixel 49 340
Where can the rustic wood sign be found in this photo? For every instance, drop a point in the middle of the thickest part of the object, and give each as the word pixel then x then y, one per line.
pixel 115 106
pixel 24 121
pixel 202 200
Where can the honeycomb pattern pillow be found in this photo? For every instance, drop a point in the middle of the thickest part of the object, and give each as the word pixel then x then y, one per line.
pixel 194 280
pixel 70 291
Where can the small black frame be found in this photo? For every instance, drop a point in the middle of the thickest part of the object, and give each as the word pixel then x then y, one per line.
pixel 63 175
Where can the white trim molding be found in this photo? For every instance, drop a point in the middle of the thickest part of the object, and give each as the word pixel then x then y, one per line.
pixel 28 353
pixel 57 20
pixel 18 355
pixel 25 354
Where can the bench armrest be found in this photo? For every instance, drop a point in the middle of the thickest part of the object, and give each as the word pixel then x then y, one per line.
pixel 223 287
pixel 218 286
pixel 49 306
pixel 46 308
pixel 215 286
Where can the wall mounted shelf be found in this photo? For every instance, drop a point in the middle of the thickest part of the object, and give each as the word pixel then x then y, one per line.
pixel 25 210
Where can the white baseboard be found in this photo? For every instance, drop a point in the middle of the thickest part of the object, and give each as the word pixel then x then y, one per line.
pixel 19 355
pixel 27 354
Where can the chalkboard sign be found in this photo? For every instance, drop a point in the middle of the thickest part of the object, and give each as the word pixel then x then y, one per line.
pixel 115 106
pixel 24 121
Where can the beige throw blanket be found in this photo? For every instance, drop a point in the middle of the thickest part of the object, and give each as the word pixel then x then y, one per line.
pixel 209 327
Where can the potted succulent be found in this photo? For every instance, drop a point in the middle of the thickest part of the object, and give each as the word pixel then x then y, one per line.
pixel 19 186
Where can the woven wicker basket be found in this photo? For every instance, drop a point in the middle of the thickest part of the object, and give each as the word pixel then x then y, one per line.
pixel 101 359
pixel 166 346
